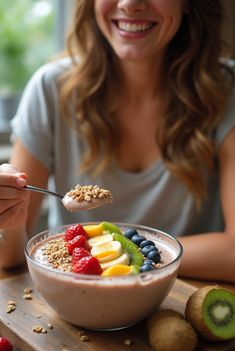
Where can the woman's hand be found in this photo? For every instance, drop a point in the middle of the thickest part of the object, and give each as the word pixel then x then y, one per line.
pixel 13 200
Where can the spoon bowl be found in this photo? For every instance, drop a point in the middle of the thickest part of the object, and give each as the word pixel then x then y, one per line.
pixel 79 198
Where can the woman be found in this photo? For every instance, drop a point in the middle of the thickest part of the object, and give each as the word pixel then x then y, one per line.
pixel 143 106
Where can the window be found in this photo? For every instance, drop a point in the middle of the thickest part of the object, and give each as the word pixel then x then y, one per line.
pixel 31 32
pixel 26 40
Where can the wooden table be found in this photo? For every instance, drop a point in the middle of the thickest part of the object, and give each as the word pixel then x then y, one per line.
pixel 200 283
pixel 17 326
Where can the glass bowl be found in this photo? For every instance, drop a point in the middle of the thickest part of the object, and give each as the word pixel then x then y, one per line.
pixel 105 303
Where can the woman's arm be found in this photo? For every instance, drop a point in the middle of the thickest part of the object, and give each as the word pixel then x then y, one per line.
pixel 37 174
pixel 19 209
pixel 211 256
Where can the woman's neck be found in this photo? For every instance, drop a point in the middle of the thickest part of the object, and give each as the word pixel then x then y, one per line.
pixel 139 78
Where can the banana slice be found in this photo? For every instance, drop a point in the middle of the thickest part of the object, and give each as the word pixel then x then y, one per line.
pixel 107 251
pixel 123 260
pixel 100 239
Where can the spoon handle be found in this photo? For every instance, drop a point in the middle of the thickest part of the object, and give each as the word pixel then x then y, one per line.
pixel 44 191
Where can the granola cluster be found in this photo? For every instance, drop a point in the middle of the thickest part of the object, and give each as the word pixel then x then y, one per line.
pixel 57 254
pixel 88 192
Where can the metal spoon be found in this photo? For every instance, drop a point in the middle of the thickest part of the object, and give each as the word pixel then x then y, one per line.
pixel 44 191
pixel 73 202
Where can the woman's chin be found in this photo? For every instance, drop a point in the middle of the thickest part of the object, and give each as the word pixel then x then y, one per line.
pixel 131 56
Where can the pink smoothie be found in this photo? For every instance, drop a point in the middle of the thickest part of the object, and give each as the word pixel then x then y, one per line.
pixel 105 303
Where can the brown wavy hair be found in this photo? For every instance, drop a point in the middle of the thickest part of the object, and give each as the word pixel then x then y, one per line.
pixel 194 74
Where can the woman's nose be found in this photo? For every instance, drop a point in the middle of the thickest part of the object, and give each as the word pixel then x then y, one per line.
pixel 132 6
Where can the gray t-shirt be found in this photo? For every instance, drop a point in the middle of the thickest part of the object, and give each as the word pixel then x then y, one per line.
pixel 153 197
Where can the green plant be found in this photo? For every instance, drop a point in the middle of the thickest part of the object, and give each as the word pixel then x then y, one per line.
pixel 25 42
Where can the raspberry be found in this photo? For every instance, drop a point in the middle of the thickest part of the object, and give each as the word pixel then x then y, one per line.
pixel 87 265
pixel 78 253
pixel 78 241
pixel 74 230
pixel 5 344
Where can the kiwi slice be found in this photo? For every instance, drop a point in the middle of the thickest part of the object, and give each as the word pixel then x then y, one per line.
pixel 136 257
pixel 211 311
pixel 111 228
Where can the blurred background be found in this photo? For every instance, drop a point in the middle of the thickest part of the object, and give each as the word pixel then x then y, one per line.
pixel 31 33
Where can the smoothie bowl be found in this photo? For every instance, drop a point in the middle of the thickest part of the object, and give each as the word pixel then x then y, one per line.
pixel 103 276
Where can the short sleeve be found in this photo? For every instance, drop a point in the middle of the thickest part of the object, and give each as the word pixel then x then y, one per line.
pixel 228 122
pixel 33 123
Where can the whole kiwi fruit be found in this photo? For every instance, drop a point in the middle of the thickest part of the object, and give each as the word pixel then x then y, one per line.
pixel 211 311
pixel 169 331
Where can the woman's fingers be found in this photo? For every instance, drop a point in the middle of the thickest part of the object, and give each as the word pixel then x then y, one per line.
pixel 10 176
pixel 13 199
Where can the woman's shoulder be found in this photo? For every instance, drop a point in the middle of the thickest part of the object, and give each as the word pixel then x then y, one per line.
pixel 229 65
pixel 228 121
pixel 229 62
pixel 50 71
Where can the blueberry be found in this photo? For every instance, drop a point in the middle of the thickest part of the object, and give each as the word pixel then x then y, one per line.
pixel 130 232
pixel 154 256
pixel 146 268
pixel 146 242
pixel 151 262
pixel 147 249
pixel 137 239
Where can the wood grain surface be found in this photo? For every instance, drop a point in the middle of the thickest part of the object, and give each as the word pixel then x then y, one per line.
pixel 17 325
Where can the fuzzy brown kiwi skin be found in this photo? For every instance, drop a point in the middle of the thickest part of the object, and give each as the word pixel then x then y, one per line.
pixel 161 314
pixel 168 331
pixel 193 312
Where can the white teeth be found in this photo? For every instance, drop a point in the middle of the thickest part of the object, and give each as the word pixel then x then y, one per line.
pixel 133 28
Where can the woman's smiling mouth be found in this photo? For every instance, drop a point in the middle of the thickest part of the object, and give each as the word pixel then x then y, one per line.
pixel 134 27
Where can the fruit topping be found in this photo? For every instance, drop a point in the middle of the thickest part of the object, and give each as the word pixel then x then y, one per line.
pixel 110 247
pixel 147 249
pixel 137 239
pixel 78 253
pixel 99 229
pixel 107 251
pixel 77 241
pixel 74 230
pixel 87 265
pixel 93 229
pixel 146 243
pixel 111 228
pixel 211 311
pixel 130 232
pixel 5 344
pixel 136 257
pixel 100 239
pixel 146 268
pixel 120 269
pixel 154 256
pixel 123 259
